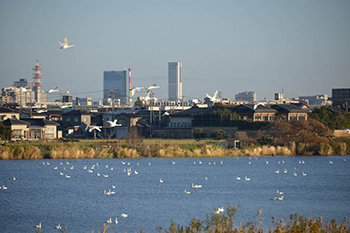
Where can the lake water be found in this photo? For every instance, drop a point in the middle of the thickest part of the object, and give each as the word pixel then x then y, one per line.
pixel 40 194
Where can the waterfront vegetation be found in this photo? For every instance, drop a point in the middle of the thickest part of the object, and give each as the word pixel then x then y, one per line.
pixel 158 148
pixel 311 137
pixel 225 223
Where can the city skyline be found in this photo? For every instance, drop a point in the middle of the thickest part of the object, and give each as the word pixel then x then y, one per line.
pixel 230 46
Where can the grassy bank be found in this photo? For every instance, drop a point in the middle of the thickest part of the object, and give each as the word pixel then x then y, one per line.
pixel 160 149
pixel 225 223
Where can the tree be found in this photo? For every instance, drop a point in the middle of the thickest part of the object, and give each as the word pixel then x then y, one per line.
pixel 198 134
pixel 218 134
pixel 138 103
pixel 266 140
pixel 5 132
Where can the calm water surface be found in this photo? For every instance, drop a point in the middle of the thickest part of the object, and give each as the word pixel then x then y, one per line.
pixel 40 194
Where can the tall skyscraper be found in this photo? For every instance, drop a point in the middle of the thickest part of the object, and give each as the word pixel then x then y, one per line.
pixel 114 87
pixel 175 81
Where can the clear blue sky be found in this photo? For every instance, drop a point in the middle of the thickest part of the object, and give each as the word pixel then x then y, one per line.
pixel 300 46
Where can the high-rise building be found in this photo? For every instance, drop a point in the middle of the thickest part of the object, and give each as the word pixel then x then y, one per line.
pixel 115 87
pixel 246 96
pixel 175 81
pixel 23 83
pixel 341 97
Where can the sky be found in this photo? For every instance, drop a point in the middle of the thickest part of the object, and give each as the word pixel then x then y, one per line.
pixel 300 47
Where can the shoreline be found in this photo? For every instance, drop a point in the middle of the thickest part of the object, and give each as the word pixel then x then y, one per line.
pixel 158 148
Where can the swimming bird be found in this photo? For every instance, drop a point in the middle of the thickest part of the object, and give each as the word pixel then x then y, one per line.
pixel 38 226
pixel 67 176
pixel 14 178
pixel 4 187
pixel 278 171
pixel 304 174
pixel 280 198
pixel 105 176
pixel 116 220
pixel 238 178
pixel 136 172
pixel 113 186
pixel 295 174
pixel 61 173
pixel 267 162
pixel 221 209
pixel 109 220
pixel 247 179
pixel 196 186
pixel 161 181
pixel 331 162
pixel 187 192
pixel 98 174
pixel 58 227
pixel 55 168
pixel 124 215
pixel 174 162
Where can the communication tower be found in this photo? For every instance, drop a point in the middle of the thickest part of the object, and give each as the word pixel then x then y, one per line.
pixel 37 74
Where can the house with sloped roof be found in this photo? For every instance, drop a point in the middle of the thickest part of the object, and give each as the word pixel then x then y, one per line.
pixel 255 112
pixel 6 113
pixel 289 112
pixel 33 129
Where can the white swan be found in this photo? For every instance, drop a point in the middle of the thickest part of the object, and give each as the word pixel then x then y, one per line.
pixel 109 220
pixel 58 227
pixel 98 174
pixel 187 192
pixel 14 178
pixel 105 176
pixel 278 171
pixel 113 186
pixel 280 198
pixel 221 209
pixel 238 178
pixel 196 186
pixel 304 174
pixel 38 226
pixel 67 176
pixel 161 181
pixel 116 220
pixel 124 215
pixel 247 179
pixel 136 173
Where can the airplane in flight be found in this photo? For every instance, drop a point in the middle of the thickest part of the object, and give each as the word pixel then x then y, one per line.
pixel 214 97
pixel 65 44
pixel 134 89
pixel 154 86
pixel 52 90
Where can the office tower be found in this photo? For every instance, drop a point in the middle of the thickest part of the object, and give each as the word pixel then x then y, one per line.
pixel 115 87
pixel 175 81
pixel 246 96
pixel 341 97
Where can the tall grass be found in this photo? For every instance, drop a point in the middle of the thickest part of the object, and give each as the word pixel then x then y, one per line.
pixel 225 223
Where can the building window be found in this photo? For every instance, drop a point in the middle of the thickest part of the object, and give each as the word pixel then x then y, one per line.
pixel 301 118
pixel 258 118
pixel 49 133
pixel 265 118
pixel 85 119
pixel 68 119
pixel 293 118
pixel 76 119
pixel 17 133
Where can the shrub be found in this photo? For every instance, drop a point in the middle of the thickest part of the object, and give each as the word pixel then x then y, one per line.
pixel 218 134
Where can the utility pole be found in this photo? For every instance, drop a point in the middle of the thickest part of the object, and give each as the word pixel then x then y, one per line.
pixel 113 107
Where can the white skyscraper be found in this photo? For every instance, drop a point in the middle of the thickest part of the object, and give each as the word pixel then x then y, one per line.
pixel 175 81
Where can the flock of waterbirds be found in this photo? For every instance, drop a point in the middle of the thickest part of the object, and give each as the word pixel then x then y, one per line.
pixel 65 167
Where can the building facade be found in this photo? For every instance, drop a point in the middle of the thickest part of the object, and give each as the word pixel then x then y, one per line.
pixel 175 81
pixel 341 97
pixel 246 96
pixel 115 87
